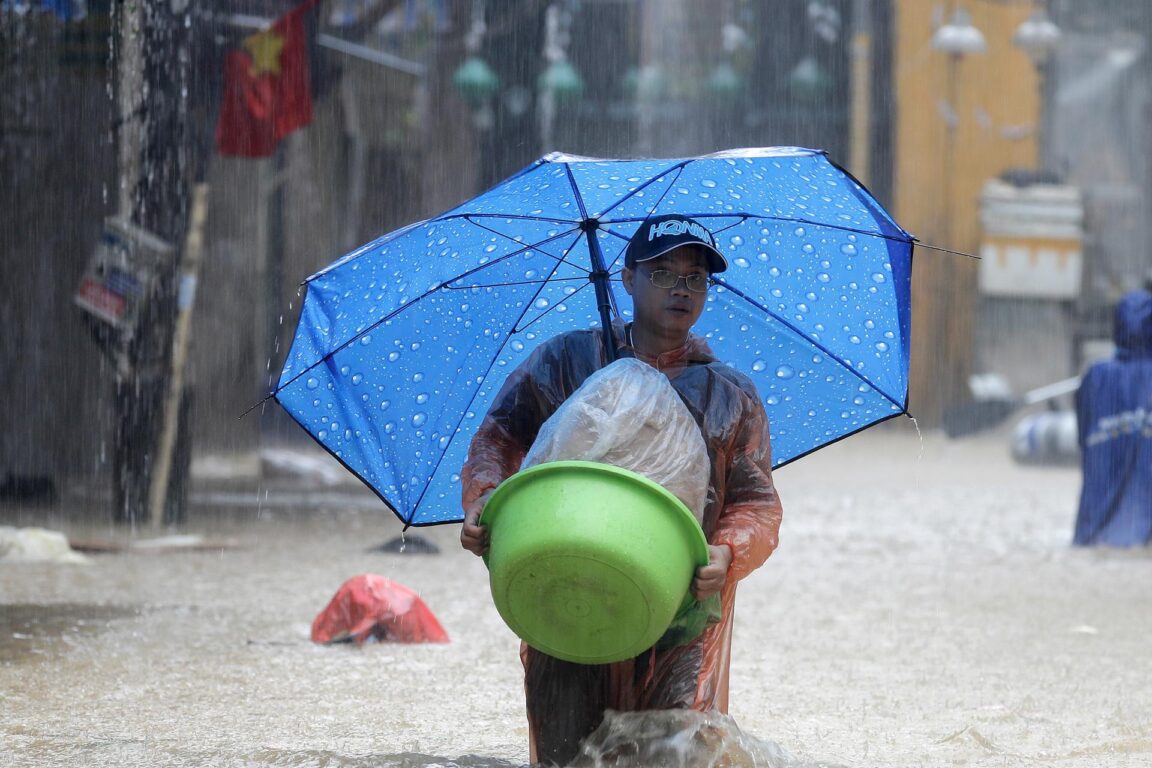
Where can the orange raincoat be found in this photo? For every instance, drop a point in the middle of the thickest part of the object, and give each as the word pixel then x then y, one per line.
pixel 566 701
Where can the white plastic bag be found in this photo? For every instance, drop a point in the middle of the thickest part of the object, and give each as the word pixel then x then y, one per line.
pixel 628 415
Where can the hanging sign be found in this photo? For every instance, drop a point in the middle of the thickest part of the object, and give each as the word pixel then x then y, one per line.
pixel 121 274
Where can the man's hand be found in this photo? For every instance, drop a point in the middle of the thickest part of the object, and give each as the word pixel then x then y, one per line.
pixel 710 579
pixel 473 536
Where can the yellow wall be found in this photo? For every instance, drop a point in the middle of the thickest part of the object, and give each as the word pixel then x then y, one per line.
pixel 996 104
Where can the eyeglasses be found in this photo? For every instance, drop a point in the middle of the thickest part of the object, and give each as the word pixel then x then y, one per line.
pixel 663 278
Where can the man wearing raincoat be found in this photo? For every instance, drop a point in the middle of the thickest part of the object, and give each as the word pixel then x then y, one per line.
pixel 1114 419
pixel 667 266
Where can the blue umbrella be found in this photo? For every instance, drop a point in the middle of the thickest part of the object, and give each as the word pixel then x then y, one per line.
pixel 403 343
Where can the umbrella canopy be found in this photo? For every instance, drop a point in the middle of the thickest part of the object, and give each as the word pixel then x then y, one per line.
pixel 403 343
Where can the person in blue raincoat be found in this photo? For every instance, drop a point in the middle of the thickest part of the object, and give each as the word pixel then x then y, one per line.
pixel 1114 418
pixel 667 269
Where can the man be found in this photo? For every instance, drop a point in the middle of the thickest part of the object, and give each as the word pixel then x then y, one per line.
pixel 1114 420
pixel 667 269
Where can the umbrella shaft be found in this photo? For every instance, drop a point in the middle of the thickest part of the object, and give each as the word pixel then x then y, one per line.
pixel 599 278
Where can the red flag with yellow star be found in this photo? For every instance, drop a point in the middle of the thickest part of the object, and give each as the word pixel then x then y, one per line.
pixel 266 90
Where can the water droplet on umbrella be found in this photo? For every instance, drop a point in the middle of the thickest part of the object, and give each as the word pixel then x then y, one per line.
pixel 878 277
pixel 312 382
pixel 357 378
pixel 384 404
pixel 759 366
pixel 799 232
pixel 881 346
pixel 422 398
pixel 517 345
pixel 393 356
pixel 848 249
pixel 418 419
pixel 541 303
pixel 772 400
pixel 824 277
pixel 785 372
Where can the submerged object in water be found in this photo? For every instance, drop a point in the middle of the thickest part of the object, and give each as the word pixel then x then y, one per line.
pixel 371 607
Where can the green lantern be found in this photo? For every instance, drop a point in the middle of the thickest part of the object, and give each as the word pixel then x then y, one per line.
pixel 808 81
pixel 725 82
pixel 475 81
pixel 645 83
pixel 562 80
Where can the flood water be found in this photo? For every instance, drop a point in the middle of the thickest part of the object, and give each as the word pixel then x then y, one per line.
pixel 924 608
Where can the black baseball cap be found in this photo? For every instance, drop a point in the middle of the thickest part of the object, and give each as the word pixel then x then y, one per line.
pixel 660 234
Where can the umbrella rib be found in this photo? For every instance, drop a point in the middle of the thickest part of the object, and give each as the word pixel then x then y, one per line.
pixel 678 168
pixel 519 216
pixel 351 341
pixel 533 247
pixel 455 433
pixel 446 285
pixel 512 282
pixel 472 400
pixel 538 318
pixel 808 339
pixel 744 216
pixel 576 191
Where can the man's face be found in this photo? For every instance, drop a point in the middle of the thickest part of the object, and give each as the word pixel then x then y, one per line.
pixel 667 312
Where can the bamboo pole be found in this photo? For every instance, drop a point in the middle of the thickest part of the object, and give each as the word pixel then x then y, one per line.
pixel 190 271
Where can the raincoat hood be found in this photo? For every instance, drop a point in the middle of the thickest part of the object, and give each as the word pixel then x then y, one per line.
pixel 1132 328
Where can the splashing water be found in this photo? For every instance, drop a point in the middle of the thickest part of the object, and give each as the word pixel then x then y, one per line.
pixel 679 737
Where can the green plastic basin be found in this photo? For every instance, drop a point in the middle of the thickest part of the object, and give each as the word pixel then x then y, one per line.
pixel 589 562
